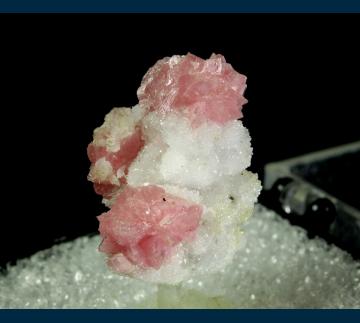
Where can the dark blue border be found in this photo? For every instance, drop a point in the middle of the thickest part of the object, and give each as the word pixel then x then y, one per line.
pixel 179 6
pixel 244 316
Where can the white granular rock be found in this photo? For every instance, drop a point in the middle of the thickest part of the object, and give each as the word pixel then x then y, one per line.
pixel 277 267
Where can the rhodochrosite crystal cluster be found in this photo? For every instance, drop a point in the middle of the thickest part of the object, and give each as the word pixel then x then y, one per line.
pixel 172 170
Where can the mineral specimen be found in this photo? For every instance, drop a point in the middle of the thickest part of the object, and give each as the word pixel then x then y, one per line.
pixel 172 170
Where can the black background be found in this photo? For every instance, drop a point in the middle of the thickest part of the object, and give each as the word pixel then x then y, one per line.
pixel 62 73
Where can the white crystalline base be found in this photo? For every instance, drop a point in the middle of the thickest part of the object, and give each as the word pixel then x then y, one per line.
pixel 277 268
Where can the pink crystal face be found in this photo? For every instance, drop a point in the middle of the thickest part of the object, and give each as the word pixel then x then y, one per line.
pixel 129 148
pixel 144 225
pixel 201 89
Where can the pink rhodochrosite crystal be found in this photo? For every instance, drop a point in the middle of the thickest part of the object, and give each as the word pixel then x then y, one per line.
pixel 112 152
pixel 145 224
pixel 202 89
pixel 172 170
